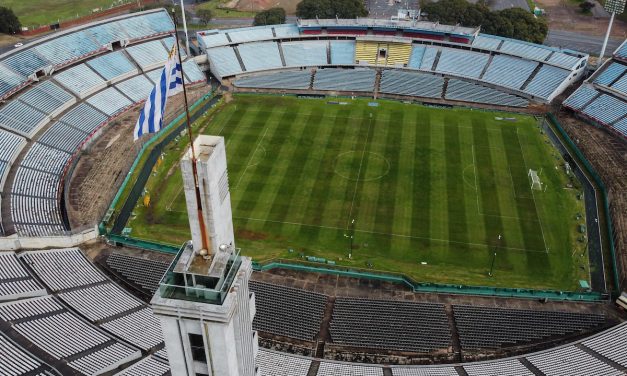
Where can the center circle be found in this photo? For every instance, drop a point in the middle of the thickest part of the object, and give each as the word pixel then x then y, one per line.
pixel 360 166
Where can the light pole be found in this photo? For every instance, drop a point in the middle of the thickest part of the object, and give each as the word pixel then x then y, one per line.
pixel 614 7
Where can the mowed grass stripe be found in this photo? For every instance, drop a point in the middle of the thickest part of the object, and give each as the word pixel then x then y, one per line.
pixel 439 196
pixel 421 203
pixel 386 205
pixel 456 206
pixel 320 200
pixel 486 185
pixel 296 159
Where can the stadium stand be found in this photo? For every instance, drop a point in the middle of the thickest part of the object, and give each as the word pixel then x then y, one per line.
pixel 342 52
pixel 63 335
pixel 526 50
pixel 193 74
pixel 149 366
pixel 461 63
pixel 110 101
pixel 10 146
pixel 486 327
pixel 610 344
pixel 366 52
pixel 80 285
pixel 620 85
pixel 509 71
pixel 469 92
pixel 511 367
pixel 286 311
pixel 606 109
pixel 580 98
pixel 610 74
pixel 224 61
pixel 424 371
pixel 49 98
pixel 546 81
pixel 416 327
pixel 552 362
pixel 84 117
pixel 212 38
pixel 277 80
pixel 81 80
pixel 113 67
pixel 249 34
pixel 149 55
pixel 22 119
pixel 344 80
pixel 333 369
pixel 11 82
pixel 15 282
pixel 304 54
pixel 286 31
pixel 428 58
pixel 411 83
pixel 144 273
pixel 272 363
pixel 487 41
pixel 17 361
pixel 137 88
pixel 260 56
pixel 415 59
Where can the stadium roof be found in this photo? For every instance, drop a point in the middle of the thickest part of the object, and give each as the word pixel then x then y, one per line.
pixel 373 22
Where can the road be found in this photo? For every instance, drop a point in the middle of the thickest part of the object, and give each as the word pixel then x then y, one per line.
pixel 584 43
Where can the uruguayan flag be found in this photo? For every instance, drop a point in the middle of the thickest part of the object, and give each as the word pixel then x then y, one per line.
pixel 170 83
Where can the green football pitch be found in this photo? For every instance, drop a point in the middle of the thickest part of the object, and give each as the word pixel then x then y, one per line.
pixel 432 193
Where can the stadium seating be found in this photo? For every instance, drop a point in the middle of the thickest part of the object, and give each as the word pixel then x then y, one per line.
pixel 579 362
pixel 342 52
pixel 21 118
pixel 509 71
pixel 10 146
pixel 486 41
pixel 424 371
pixel 461 63
pixel 273 363
pixel 148 55
pixel 415 59
pixel 621 51
pixel 81 80
pixel 80 285
pixel 498 367
pixel 581 97
pixel 302 54
pixel 286 31
pixel 610 74
pixel 610 344
pixel 260 56
pixel 525 50
pixel 469 92
pixel 212 38
pixel 248 34
pixel 113 67
pixel 144 273
pixel 48 98
pixel 224 61
pixel 277 80
pixel 428 58
pixel 60 333
pixel 606 109
pixel 139 87
pixel 286 311
pixel 15 282
pixel 16 361
pixel 25 63
pixel 333 369
pixel 110 101
pixel 486 327
pixel 344 80
pixel 621 127
pixel 149 366
pixel 620 85
pixel 390 325
pixel 366 52
pixel 546 81
pixel 84 117
pixel 10 81
pixel 563 60
pixel 411 83
pixel 193 74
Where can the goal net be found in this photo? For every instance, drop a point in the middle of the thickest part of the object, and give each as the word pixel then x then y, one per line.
pixel 535 180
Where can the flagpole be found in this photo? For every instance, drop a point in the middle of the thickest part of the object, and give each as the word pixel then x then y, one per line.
pixel 201 219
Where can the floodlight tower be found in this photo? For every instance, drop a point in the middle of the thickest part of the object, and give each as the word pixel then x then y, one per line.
pixel 614 7
pixel 203 302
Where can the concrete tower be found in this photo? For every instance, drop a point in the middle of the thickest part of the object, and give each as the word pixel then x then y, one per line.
pixel 203 301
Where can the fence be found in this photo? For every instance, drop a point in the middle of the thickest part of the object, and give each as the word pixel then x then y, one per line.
pixel 599 183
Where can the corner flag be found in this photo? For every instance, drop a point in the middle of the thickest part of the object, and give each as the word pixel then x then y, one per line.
pixel 170 83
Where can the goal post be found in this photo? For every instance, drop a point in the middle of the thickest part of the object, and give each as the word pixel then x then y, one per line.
pixel 535 180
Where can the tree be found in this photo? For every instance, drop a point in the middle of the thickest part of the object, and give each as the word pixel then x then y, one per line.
pixel 331 9
pixel 511 23
pixel 586 6
pixel 272 16
pixel 9 23
pixel 205 15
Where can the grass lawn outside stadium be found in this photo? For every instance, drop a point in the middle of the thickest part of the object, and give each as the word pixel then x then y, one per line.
pixel 429 189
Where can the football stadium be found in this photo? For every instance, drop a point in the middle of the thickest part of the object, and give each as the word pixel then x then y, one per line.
pixel 367 196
